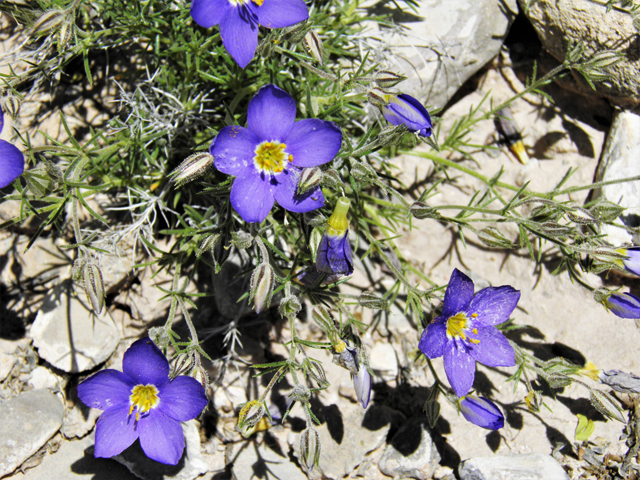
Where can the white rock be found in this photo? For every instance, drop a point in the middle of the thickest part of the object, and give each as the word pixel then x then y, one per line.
pixel 69 336
pixel 6 365
pixel 534 466
pixel 266 459
pixel 383 361
pixel 41 377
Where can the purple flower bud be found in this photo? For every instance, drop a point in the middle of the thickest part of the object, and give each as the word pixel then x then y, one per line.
pixel 632 262
pixel 362 385
pixel 481 412
pixel 624 305
pixel 334 251
pixel 405 110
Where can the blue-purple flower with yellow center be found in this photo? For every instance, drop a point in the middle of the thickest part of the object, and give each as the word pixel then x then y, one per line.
pixel 268 156
pixel 465 332
pixel 403 109
pixel 481 412
pixel 623 305
pixel 334 251
pixel 239 21
pixel 141 402
pixel 11 159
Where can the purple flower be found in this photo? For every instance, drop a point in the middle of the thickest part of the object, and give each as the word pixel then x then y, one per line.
pixel 268 156
pixel 465 331
pixel 362 385
pixel 632 262
pixel 239 21
pixel 142 402
pixel 11 159
pixel 481 412
pixel 403 109
pixel 624 305
pixel 334 251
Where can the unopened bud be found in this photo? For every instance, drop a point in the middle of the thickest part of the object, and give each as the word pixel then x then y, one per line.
pixel 249 417
pixel 39 182
pixel 207 244
pixel 372 301
pixel 363 172
pixel 362 385
pixel 12 104
pixel 606 405
pixel 331 178
pixel 48 21
pixel 605 59
pixel 387 79
pixel 492 237
pixel 314 219
pixel 310 448
pixel 241 239
pixel 262 282
pixel 64 35
pixel 581 216
pixel 300 393
pixel 421 210
pixel 193 167
pixel 534 401
pixel 93 286
pixel 290 306
pixel 313 45
pixel 377 97
pixel 310 178
pixel 316 371
pixel 554 229
pixel 606 211
pixel 575 54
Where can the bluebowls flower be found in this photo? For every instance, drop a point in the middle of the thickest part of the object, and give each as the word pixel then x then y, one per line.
pixel 141 402
pixel 11 159
pixel 239 21
pixel 403 109
pixel 624 305
pixel 334 251
pixel 465 332
pixel 268 156
pixel 632 262
pixel 481 412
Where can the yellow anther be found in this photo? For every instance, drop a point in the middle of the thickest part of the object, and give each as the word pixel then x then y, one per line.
pixel 456 326
pixel 475 330
pixel 474 315
pixel 143 398
pixel 258 2
pixel 271 157
pixel 474 340
pixel 340 347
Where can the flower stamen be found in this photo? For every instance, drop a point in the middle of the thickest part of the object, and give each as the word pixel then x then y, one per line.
pixel 457 327
pixel 143 398
pixel 271 157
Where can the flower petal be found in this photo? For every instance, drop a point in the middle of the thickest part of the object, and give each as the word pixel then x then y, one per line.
pixel 145 363
pixel 115 431
pixel 105 389
pixel 493 304
pixel 285 193
pixel 11 163
pixel 482 412
pixel 251 196
pixel 494 350
pixel 282 13
pixel 403 109
pixel 1 119
pixel 161 437
pixel 182 398
pixel 239 32
pixel 460 368
pixel 632 262
pixel 458 294
pixel 208 13
pixel 233 150
pixel 624 305
pixel 334 254
pixel 434 338
pixel 271 114
pixel 313 142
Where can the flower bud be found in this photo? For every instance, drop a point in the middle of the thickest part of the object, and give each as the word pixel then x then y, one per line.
pixel 208 243
pixel 300 393
pixel 421 210
pixel 372 301
pixel 334 251
pixel 621 381
pixel 377 97
pixel 492 237
pixel 48 21
pixel 313 45
pixel 310 448
pixel 193 167
pixel 363 172
pixel 481 412
pixel 310 178
pixel 65 32
pixel 387 79
pixel 262 282
pixel 432 406
pixel 316 371
pixel 290 306
pixel 510 134
pixel 331 178
pixel 39 182
pixel 93 286
pixel 403 109
pixel 623 305
pixel 606 405
pixel 606 211
pixel 249 416
pixel 554 229
pixel 581 216
pixel 12 104
pixel 241 239
pixel 362 385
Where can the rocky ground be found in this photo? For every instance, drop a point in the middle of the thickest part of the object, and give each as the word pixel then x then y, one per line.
pixel 49 341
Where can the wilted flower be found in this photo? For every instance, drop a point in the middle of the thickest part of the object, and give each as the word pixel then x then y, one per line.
pixel 624 305
pixel 465 331
pixel 621 381
pixel 481 412
pixel 509 131
pixel 239 21
pixel 251 415
pixel 362 385
pixel 11 159
pixel 141 402
pixel 334 251
pixel 268 156
pixel 405 110
pixel 347 357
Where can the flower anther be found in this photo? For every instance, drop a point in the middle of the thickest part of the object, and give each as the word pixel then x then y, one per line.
pixel 458 325
pixel 143 398
pixel 271 157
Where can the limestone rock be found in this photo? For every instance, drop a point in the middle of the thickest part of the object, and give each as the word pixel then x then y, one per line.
pixel 41 377
pixel 6 365
pixel 620 160
pixel 446 43
pixel 28 421
pixel 190 466
pixel 411 453
pixel 533 466
pixel 383 361
pixel 266 459
pixel 560 23
pixel 69 336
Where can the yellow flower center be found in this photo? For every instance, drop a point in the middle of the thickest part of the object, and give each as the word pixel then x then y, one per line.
pixel 458 326
pixel 271 157
pixel 237 3
pixel 143 398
